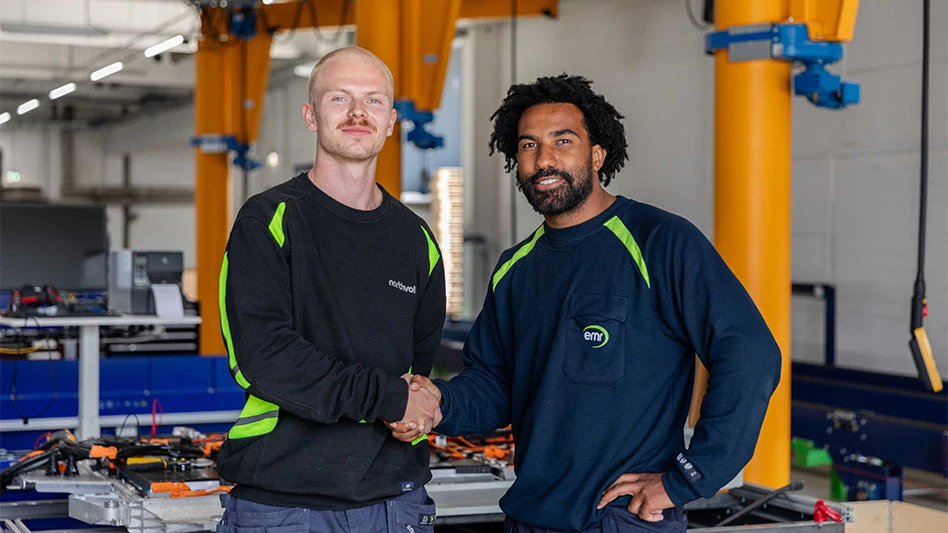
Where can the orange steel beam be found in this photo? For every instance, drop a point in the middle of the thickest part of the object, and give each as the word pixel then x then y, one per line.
pixel 211 189
pixel 296 15
pixel 752 204
pixel 299 15
pixel 475 9
pixel 230 83
pixel 427 32
pixel 250 66
pixel 378 30
pixel 424 39
pixel 826 20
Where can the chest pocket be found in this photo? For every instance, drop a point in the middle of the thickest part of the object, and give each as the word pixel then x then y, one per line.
pixel 595 343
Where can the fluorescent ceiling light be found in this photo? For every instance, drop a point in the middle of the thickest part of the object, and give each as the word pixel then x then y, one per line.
pixel 164 46
pixel 62 91
pixel 27 106
pixel 273 159
pixel 46 29
pixel 4 118
pixel 106 71
pixel 303 69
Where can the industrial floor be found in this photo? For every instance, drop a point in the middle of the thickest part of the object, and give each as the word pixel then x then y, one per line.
pixel 922 488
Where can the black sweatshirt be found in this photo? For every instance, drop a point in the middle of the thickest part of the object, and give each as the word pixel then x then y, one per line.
pixel 323 308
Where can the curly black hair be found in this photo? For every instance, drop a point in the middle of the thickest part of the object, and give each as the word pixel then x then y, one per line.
pixel 599 116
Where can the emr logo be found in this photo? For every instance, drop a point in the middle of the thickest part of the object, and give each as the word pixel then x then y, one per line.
pixel 596 335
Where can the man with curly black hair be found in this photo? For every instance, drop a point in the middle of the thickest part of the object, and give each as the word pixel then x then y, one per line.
pixel 586 339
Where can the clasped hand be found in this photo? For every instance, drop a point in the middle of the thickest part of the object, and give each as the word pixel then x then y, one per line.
pixel 423 411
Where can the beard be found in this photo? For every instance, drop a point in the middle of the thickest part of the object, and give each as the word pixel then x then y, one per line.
pixel 576 188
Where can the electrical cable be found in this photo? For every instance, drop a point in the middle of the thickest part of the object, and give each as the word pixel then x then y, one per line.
pixel 15 372
pixel 923 163
pixel 8 474
pixel 46 435
pixel 340 29
pixel 138 425
pixel 287 32
pixel 18 351
pixel 155 409
pixel 919 345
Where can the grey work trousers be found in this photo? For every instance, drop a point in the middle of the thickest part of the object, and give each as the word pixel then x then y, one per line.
pixel 411 512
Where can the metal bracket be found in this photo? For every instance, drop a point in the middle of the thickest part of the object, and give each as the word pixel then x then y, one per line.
pixel 421 137
pixel 790 42
pixel 243 23
pixel 216 144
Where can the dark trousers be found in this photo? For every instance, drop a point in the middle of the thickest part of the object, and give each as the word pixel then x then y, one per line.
pixel 617 520
pixel 411 512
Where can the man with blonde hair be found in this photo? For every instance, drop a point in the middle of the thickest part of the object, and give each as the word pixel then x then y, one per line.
pixel 331 291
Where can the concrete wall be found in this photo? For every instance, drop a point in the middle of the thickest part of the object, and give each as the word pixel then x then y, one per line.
pixel 26 150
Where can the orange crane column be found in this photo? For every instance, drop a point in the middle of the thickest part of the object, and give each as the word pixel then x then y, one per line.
pixel 211 190
pixel 752 120
pixel 377 30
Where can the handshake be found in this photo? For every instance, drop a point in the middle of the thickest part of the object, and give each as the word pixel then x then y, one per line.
pixel 423 411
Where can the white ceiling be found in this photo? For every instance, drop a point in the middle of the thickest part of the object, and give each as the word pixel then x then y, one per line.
pixel 47 43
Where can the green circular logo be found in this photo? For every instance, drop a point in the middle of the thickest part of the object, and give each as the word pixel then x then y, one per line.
pixel 596 334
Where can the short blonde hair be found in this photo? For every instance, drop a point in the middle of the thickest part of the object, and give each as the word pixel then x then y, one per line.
pixel 358 50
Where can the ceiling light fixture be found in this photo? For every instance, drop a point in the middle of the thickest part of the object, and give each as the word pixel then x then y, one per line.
pixel 59 92
pixel 107 70
pixel 27 106
pixel 164 46
pixel 303 70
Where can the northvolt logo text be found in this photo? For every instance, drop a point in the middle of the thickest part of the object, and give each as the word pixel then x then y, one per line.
pixel 410 289
pixel 596 335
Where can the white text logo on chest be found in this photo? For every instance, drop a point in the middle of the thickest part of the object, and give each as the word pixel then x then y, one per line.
pixel 410 289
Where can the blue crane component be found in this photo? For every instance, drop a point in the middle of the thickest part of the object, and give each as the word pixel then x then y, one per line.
pixel 790 42
pixel 243 23
pixel 213 144
pixel 421 137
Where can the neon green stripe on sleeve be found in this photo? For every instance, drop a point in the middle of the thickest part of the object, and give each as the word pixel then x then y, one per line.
pixel 520 254
pixel 225 325
pixel 433 254
pixel 258 417
pixel 276 224
pixel 624 235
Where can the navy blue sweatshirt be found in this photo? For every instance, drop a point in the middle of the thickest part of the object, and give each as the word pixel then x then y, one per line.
pixel 586 344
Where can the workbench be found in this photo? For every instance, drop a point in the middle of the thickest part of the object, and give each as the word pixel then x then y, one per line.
pixel 89 424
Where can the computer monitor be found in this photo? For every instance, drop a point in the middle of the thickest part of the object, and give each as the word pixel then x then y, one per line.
pixel 65 246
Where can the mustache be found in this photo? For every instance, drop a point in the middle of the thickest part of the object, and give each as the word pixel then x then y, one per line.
pixel 547 173
pixel 356 123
